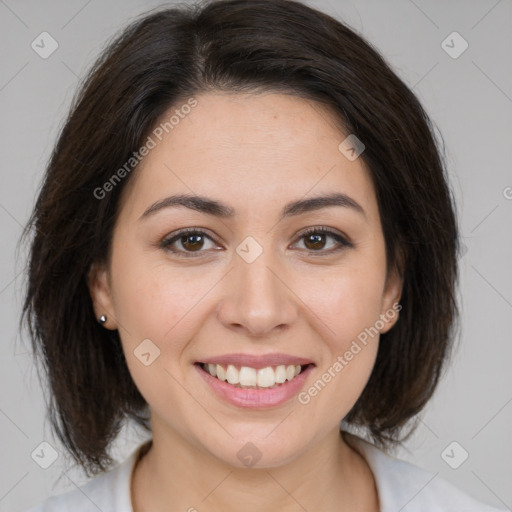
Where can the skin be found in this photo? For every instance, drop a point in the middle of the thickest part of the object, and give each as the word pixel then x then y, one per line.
pixel 254 152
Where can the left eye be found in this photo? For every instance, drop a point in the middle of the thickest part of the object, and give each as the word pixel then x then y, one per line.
pixel 316 236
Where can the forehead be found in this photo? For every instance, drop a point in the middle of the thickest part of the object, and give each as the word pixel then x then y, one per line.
pixel 251 151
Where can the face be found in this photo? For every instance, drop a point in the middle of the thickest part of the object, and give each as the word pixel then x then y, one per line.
pixel 256 285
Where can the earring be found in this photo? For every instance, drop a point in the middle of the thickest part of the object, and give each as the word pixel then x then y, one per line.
pixel 102 319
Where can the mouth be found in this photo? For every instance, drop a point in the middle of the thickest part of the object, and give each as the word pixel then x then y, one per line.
pixel 255 381
pixel 247 377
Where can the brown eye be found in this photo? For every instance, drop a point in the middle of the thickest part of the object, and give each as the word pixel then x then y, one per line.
pixel 187 242
pixel 315 240
pixel 192 242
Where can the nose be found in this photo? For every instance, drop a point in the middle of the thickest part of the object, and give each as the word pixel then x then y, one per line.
pixel 258 299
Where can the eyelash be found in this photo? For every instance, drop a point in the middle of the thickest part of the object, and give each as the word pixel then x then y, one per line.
pixel 167 242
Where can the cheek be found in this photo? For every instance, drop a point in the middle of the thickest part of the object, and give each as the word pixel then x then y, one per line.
pixel 156 301
pixel 349 301
pixel 156 317
pixel 165 305
pixel 351 310
pixel 349 305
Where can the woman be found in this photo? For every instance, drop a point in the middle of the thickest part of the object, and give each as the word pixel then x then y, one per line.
pixel 245 235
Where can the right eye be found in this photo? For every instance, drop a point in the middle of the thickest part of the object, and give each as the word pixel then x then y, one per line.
pixel 191 240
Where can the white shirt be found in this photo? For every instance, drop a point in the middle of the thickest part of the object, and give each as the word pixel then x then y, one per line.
pixel 401 487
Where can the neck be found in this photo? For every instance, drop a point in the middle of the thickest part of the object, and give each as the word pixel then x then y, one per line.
pixel 333 476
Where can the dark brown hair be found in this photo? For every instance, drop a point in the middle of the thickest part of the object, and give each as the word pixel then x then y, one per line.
pixel 239 46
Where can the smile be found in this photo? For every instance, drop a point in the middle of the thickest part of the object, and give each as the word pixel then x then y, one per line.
pixel 252 378
pixel 255 382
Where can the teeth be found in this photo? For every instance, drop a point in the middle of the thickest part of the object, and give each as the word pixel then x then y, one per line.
pixel 247 376
pixel 250 377
pixel 232 375
pixel 221 373
pixel 280 374
pixel 266 377
pixel 212 368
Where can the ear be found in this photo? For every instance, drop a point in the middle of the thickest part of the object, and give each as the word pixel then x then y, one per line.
pixel 391 298
pixel 101 294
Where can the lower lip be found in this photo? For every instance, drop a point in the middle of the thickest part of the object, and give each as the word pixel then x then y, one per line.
pixel 255 398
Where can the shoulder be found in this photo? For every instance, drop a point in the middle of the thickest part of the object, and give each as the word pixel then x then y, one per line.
pixel 109 492
pixel 408 488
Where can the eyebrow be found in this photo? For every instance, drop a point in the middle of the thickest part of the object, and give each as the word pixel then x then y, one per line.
pixel 213 207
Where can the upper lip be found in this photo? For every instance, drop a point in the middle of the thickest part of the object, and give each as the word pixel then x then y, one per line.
pixel 256 361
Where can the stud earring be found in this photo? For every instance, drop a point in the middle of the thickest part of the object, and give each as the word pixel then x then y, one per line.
pixel 102 319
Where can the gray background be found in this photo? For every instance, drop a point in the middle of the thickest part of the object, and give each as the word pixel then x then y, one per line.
pixel 470 100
